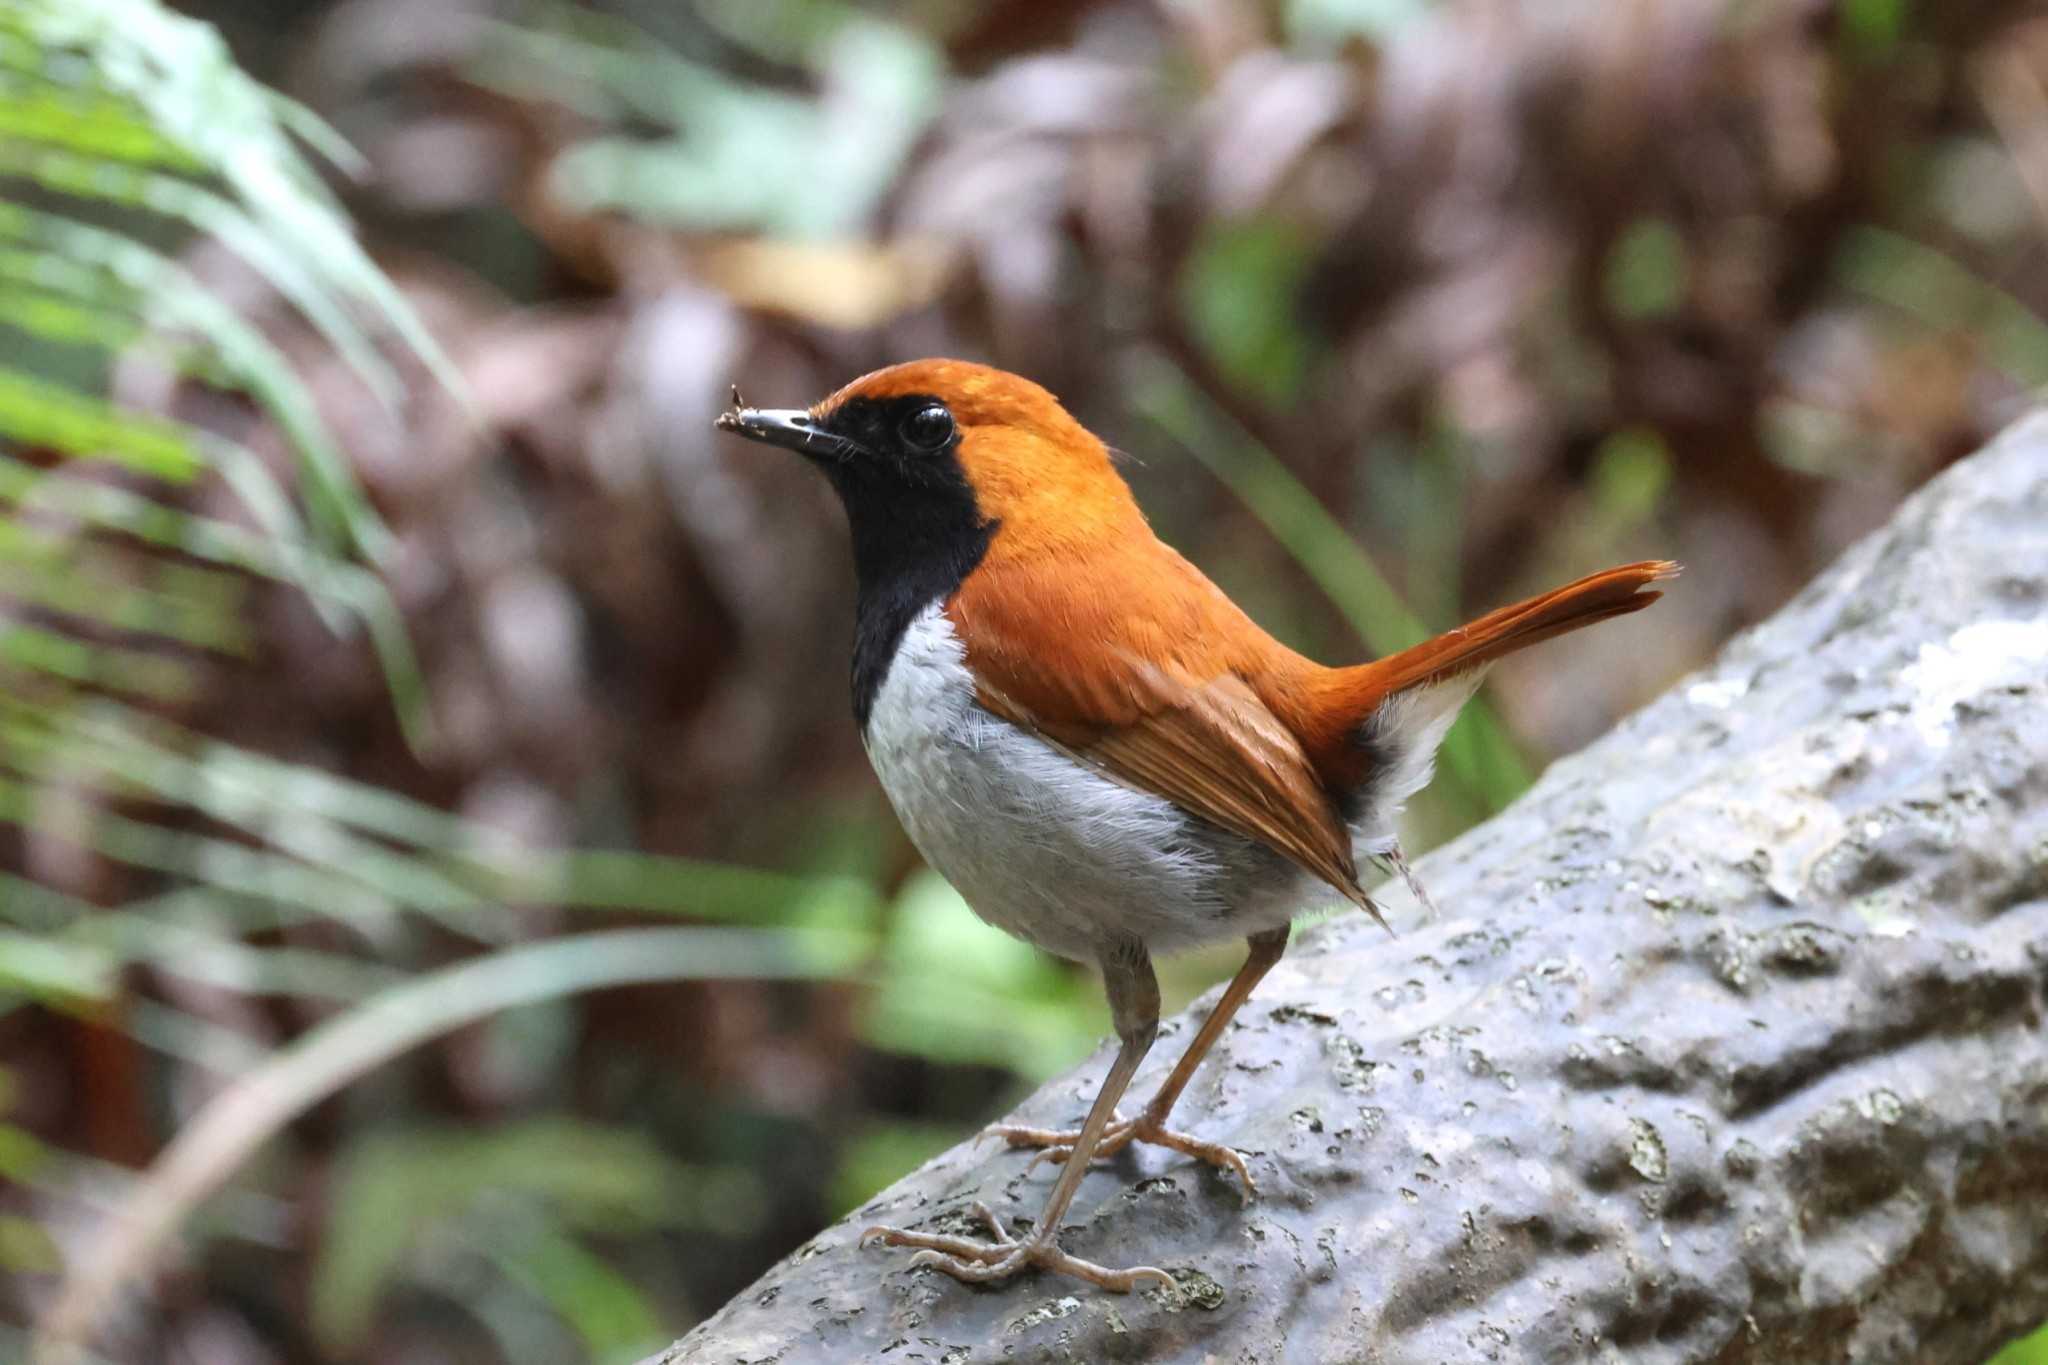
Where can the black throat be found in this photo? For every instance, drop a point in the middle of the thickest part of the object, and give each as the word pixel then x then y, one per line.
pixel 917 534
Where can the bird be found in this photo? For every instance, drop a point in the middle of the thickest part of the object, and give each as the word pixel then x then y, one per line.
pixel 1096 746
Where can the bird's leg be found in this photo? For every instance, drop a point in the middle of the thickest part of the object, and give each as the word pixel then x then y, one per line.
pixel 1134 1006
pixel 1060 1145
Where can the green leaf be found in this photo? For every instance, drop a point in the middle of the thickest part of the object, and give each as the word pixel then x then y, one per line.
pixel 124 104
pixel 953 988
pixel 38 414
pixel 192 606
pixel 396 1191
pixel 241 1118
pixel 878 1155
pixel 730 144
pixel 2028 1350
pixel 179 74
pixel 1873 28
pixel 54 972
pixel 1645 274
pixel 156 677
pixel 1326 23
pixel 610 1315
pixel 294 276
pixel 189 1038
pixel 229 965
pixel 293 888
pixel 347 590
pixel 1631 473
pixel 1240 292
pixel 87 122
pixel 1940 292
pixel 324 820
pixel 177 300
pixel 35 907
pixel 23 1156
pixel 53 317
pixel 26 1247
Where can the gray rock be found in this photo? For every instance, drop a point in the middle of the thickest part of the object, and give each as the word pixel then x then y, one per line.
pixel 1732 1048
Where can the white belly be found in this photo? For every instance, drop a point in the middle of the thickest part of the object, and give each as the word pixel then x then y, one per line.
pixel 1047 848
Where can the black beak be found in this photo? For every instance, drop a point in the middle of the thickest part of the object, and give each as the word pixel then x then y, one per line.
pixel 790 428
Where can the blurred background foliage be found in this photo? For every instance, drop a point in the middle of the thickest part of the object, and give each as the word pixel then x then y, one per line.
pixel 444 912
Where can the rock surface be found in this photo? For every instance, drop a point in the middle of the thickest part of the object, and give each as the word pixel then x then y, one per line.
pixel 1731 1049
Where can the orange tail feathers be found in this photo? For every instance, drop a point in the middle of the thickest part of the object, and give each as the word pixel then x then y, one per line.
pixel 1349 695
pixel 1596 597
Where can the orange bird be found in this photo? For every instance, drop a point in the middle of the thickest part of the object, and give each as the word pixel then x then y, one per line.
pixel 1102 753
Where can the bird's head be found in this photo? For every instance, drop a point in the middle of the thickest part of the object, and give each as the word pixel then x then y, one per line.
pixel 934 445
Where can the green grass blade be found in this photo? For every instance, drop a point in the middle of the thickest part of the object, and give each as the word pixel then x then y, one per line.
pixel 181 603
pixel 339 588
pixel 232 868
pixel 325 819
pixel 55 972
pixel 189 1038
pixel 179 73
pixel 134 672
pixel 38 908
pixel 244 1116
pixel 611 1317
pixel 85 122
pixel 294 276
pixel 39 414
pixel 1941 292
pixel 227 964
pixel 178 300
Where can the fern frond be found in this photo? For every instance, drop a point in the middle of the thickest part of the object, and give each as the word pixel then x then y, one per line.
pixel 126 131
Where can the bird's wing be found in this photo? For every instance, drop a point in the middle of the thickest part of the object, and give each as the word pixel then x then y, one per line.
pixel 1140 669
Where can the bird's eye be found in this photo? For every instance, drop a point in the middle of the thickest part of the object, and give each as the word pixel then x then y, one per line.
pixel 929 428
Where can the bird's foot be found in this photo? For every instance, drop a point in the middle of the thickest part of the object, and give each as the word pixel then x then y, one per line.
pixel 1003 1256
pixel 1057 1144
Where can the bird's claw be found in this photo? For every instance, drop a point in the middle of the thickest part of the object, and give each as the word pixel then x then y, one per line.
pixel 1000 1240
pixel 1056 1145
pixel 1004 1256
